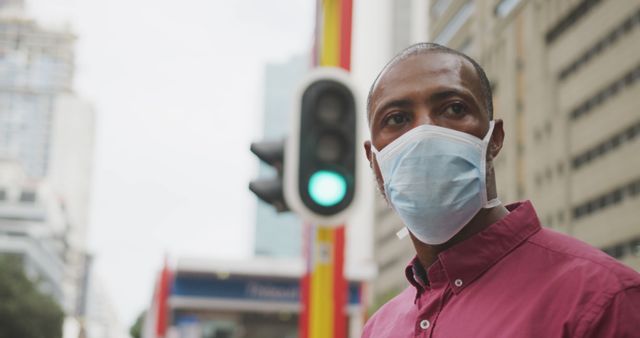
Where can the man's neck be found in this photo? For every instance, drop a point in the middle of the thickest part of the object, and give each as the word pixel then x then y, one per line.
pixel 427 254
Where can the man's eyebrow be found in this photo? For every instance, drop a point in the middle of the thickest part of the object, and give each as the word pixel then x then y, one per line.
pixel 451 92
pixel 402 103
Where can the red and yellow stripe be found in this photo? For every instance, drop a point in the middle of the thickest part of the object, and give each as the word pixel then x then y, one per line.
pixel 324 288
pixel 333 34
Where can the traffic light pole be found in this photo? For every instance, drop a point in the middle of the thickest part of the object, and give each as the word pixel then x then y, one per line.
pixel 324 286
pixel 316 171
pixel 320 186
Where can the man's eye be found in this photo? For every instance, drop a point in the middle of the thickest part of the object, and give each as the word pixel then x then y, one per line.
pixel 456 109
pixel 396 119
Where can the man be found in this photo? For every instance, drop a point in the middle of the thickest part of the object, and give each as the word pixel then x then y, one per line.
pixel 481 269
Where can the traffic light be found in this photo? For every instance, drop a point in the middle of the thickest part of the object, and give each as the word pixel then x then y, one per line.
pixel 320 179
pixel 270 190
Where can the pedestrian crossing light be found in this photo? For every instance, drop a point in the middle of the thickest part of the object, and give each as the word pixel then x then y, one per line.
pixel 320 180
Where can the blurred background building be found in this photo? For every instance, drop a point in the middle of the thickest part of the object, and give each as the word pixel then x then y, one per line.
pixel 32 228
pixel 46 152
pixel 258 297
pixel 566 78
pixel 36 65
pixel 278 234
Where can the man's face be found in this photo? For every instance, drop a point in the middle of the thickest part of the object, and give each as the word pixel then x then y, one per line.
pixel 429 88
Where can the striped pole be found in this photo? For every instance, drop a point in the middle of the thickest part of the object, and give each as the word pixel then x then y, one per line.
pixel 324 288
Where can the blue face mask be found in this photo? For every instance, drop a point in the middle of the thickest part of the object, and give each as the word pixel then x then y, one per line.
pixel 435 179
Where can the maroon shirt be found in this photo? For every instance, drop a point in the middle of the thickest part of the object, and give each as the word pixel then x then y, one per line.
pixel 515 279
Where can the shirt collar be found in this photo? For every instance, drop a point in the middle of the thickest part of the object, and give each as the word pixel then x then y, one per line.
pixel 416 275
pixel 466 261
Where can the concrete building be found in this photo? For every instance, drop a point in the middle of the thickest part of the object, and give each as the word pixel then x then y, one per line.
pixel 32 228
pixel 566 80
pixel 71 160
pixel 235 299
pixel 279 235
pixel 35 66
pixel 48 132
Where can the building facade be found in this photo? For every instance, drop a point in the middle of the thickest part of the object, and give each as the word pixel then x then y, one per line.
pixel 47 132
pixel 35 65
pixel 279 234
pixel 32 227
pixel 566 81
pixel 260 297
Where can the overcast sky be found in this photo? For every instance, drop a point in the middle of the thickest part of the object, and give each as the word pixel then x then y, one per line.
pixel 177 86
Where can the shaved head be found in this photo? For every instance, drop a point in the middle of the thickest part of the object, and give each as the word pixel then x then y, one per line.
pixel 428 47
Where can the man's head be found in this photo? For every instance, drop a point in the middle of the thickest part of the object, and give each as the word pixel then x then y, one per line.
pixel 429 47
pixel 431 84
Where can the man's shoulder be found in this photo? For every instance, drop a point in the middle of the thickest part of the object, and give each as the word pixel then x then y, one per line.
pixel 581 259
pixel 390 314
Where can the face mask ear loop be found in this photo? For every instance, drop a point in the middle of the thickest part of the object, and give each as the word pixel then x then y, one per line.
pixel 483 164
pixel 402 233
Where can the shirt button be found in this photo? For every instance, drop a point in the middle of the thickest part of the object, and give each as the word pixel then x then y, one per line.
pixel 458 282
pixel 424 324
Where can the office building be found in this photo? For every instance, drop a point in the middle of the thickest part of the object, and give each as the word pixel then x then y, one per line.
pixel 235 298
pixel 32 227
pixel 565 76
pixel 566 81
pixel 35 65
pixel 279 235
pixel 48 132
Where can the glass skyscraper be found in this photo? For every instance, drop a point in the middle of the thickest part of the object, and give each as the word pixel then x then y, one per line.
pixel 279 235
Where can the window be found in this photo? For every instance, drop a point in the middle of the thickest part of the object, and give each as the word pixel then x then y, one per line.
pixel 635 247
pixel 572 17
pixel 634 189
pixel 606 200
pixel 620 250
pixel 608 40
pixel 606 93
pixel 547 174
pixel 606 146
pixel 560 168
pixel 465 47
pixel 452 27
pixel 391 262
pixel 439 8
pixel 504 7
pixel 28 196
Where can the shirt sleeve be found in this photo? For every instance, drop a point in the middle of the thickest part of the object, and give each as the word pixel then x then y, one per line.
pixel 619 318
pixel 366 331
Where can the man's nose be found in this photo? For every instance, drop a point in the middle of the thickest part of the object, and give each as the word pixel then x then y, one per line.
pixel 423 116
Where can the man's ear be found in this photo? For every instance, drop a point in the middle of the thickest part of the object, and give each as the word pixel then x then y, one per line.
pixel 367 150
pixel 497 139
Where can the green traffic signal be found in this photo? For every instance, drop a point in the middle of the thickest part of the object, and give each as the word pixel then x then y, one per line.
pixel 327 188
